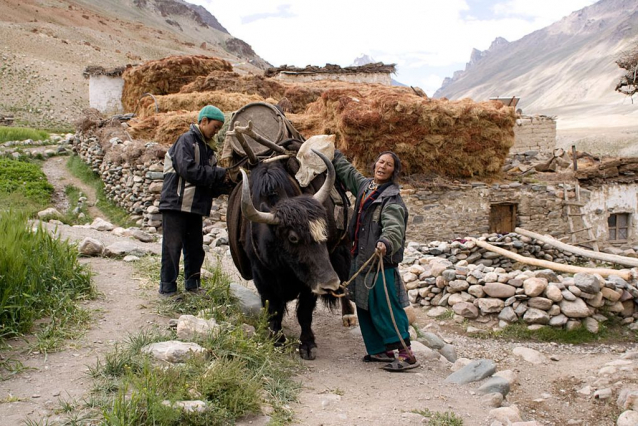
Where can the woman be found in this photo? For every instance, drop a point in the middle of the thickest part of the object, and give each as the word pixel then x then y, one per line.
pixel 378 226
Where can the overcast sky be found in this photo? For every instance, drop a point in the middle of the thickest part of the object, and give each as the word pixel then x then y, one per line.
pixel 427 39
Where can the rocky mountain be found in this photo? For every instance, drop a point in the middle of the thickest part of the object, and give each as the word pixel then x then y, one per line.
pixel 566 69
pixel 45 47
pixel 366 59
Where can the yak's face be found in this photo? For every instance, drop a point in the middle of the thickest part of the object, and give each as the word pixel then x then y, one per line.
pixel 301 235
pixel 294 230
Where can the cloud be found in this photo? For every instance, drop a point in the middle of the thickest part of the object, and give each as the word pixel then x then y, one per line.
pixel 283 11
pixel 414 34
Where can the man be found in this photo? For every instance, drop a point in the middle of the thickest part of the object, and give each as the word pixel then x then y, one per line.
pixel 191 180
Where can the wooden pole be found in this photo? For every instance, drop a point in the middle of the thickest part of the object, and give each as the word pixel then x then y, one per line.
pixel 624 273
pixel 574 159
pixel 606 257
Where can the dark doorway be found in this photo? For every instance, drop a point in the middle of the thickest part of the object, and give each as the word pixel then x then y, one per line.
pixel 502 218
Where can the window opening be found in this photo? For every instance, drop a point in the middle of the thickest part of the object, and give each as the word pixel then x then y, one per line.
pixel 618 224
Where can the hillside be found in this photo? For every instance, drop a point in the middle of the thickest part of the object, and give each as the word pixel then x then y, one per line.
pixel 568 70
pixel 47 45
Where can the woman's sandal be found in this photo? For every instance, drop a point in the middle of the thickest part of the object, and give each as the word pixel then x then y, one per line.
pixel 400 365
pixel 378 358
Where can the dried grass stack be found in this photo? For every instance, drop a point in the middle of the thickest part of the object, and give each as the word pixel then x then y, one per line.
pixel 166 76
pixel 451 138
pixel 162 128
pixel 225 101
pixel 232 82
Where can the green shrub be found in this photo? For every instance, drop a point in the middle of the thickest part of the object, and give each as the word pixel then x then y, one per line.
pixel 21 133
pixel 40 276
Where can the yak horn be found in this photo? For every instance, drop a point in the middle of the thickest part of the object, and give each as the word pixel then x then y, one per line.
pixel 247 207
pixel 248 130
pixel 252 158
pixel 324 192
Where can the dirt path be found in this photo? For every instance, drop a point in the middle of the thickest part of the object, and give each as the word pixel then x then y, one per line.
pixel 121 309
pixel 60 177
pixel 338 389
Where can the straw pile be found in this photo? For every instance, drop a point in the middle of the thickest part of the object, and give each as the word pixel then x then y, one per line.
pixel 162 128
pixel 451 138
pixel 166 76
pixel 225 101
pixel 232 82
pixel 448 138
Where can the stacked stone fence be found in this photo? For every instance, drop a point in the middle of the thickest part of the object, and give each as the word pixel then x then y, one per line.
pixel 475 282
pixel 136 188
pixel 460 275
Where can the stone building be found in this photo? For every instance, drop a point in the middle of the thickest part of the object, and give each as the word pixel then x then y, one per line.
pixel 610 209
pixel 534 133
pixel 105 88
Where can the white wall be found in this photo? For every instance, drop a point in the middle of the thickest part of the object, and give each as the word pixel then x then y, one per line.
pixel 609 199
pixel 105 93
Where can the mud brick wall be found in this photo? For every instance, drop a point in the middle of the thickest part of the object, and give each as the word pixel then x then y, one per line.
pixel 534 133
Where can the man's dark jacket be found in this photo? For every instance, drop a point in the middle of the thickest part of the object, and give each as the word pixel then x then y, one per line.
pixel 191 178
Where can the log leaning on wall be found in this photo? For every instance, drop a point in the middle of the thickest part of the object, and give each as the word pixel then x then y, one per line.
pixel 604 272
pixel 606 257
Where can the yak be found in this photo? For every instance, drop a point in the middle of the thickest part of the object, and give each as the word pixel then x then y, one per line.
pixel 289 245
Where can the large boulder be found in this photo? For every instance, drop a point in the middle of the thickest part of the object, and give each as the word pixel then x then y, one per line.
pixel 575 309
pixel 534 286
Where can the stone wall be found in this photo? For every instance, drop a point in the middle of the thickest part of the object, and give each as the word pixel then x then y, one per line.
pixel 474 282
pixel 370 78
pixel 136 188
pixel 436 213
pixel 450 213
pixel 534 133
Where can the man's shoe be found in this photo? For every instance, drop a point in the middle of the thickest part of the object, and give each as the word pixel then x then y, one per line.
pixel 173 295
pixel 196 290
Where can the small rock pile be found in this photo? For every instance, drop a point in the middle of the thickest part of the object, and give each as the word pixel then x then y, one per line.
pixel 475 282
pixel 30 148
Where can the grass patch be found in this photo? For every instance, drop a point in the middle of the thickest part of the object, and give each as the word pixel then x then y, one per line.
pixel 23 186
pixel 437 418
pixel 21 133
pixel 60 130
pixel 611 330
pixel 40 277
pixel 114 213
pixel 239 374
pixel 449 314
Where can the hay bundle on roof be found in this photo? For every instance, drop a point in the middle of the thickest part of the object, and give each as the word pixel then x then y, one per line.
pixel 225 101
pixel 166 76
pixel 452 138
pixel 232 82
pixel 162 128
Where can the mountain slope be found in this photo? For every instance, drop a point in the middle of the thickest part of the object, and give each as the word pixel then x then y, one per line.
pixel 566 69
pixel 46 46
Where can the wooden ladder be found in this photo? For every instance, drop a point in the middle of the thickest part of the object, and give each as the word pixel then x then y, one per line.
pixel 577 222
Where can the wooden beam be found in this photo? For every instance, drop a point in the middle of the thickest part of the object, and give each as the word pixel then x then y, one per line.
pixel 624 273
pixel 605 257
